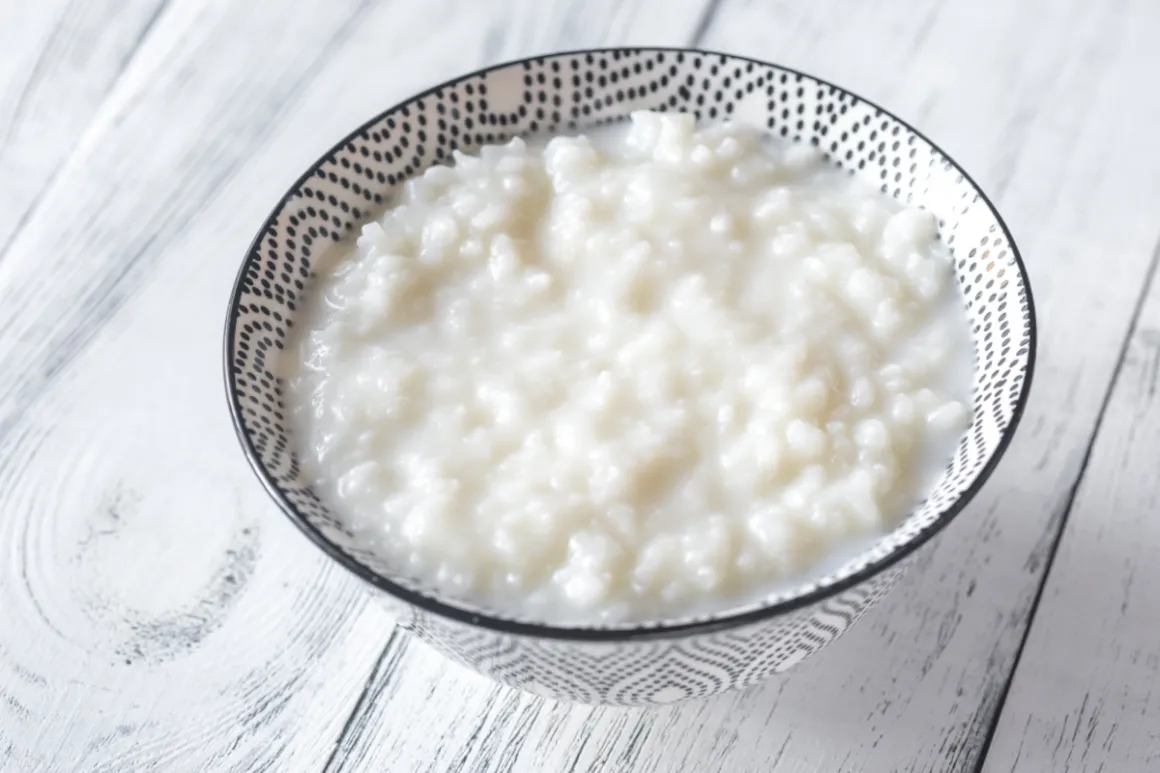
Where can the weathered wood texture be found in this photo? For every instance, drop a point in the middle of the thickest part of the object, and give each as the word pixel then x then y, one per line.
pixel 1039 100
pixel 1086 694
pixel 60 61
pixel 156 612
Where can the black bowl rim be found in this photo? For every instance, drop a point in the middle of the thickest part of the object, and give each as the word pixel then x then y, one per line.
pixel 644 630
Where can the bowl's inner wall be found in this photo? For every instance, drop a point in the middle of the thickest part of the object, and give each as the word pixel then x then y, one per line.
pixel 567 91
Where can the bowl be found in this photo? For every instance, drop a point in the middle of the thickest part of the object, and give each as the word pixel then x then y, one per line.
pixel 676 659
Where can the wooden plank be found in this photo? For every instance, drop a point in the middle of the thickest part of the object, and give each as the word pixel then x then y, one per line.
pixel 1086 692
pixel 61 59
pixel 1037 99
pixel 158 613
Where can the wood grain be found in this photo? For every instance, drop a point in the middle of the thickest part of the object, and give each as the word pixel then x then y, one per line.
pixel 158 614
pixel 61 59
pixel 1037 100
pixel 1086 693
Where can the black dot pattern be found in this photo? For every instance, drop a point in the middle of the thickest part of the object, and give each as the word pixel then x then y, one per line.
pixel 568 91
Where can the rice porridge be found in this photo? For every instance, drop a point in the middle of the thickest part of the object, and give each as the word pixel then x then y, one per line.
pixel 658 369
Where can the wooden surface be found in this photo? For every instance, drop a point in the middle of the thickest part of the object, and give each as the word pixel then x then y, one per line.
pixel 157 613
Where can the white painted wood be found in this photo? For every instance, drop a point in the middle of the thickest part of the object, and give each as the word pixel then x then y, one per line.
pixel 1086 693
pixel 59 61
pixel 156 612
pixel 1043 102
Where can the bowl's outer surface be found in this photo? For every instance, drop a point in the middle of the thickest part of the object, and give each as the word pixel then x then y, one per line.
pixel 670 660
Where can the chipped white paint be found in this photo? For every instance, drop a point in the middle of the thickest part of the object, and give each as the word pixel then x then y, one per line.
pixel 156 613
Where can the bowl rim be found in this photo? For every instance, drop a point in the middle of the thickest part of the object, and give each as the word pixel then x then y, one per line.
pixel 645 630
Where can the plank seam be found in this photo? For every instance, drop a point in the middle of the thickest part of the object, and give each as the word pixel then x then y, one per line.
pixel 118 284
pixel 50 181
pixel 1069 502
pixel 395 640
pixel 704 23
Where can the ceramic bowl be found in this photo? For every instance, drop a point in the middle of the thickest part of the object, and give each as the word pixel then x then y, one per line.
pixel 680 658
